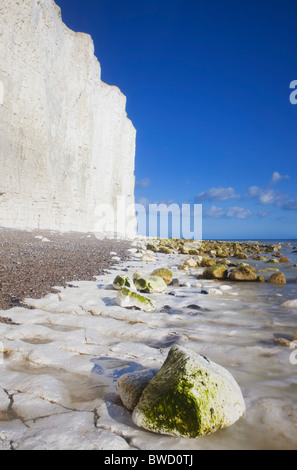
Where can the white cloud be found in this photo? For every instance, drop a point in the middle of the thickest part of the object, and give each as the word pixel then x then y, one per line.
pixel 266 195
pixel 143 183
pixel 238 212
pixel 217 194
pixel 235 212
pixel 215 212
pixel 276 177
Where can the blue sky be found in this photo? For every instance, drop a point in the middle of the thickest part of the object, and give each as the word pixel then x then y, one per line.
pixel 207 87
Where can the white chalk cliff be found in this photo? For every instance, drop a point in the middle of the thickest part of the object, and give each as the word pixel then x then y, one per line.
pixel 67 148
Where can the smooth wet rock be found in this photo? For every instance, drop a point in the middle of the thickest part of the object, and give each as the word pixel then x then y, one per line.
pixel 191 263
pixel 290 304
pixel 189 397
pixel 207 262
pixel 284 259
pixel 216 272
pixel 165 273
pixel 130 386
pixel 123 281
pixel 150 284
pixel 128 298
pixel 277 278
pixel 243 272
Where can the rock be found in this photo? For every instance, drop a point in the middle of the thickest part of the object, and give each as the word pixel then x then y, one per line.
pixel 148 258
pixel 137 275
pixel 283 342
pixel 69 124
pixel 284 259
pixel 273 261
pixel 150 284
pixel 277 278
pixel 216 272
pixel 164 273
pixel 208 262
pixel 290 304
pixel 175 282
pixel 242 256
pixel 193 252
pixel 128 298
pixel 123 281
pixel 214 291
pixel 191 263
pixel 243 272
pixel 261 279
pixel 189 397
pixel 165 250
pixel 130 386
pixel 294 336
pixel 182 267
pixel 152 247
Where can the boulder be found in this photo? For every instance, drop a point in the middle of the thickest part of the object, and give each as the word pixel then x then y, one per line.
pixel 243 272
pixel 189 397
pixel 123 281
pixel 284 259
pixel 206 262
pixel 277 278
pixel 242 256
pixel 130 386
pixel 191 263
pixel 216 272
pixel 150 284
pixel 152 247
pixel 164 273
pixel 128 298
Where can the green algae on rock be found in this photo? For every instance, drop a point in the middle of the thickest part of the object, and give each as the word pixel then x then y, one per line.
pixel 190 396
pixel 215 272
pixel 150 284
pixel 129 298
pixel 122 281
pixel 243 272
pixel 164 273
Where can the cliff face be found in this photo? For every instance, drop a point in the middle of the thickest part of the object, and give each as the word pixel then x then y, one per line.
pixel 66 144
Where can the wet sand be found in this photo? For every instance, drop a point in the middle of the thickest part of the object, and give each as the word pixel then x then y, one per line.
pixel 31 266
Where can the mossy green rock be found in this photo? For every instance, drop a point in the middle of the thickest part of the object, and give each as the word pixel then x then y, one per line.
pixel 150 284
pixel 128 298
pixel 122 281
pixel 277 278
pixel 164 273
pixel 216 272
pixel 243 272
pixel 189 397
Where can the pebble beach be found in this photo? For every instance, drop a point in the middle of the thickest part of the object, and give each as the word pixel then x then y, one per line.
pixel 66 340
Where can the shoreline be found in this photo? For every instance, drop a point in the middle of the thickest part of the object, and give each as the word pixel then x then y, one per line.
pixel 64 354
pixel 32 263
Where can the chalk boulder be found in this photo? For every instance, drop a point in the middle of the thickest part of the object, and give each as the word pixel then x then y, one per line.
pixel 189 397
